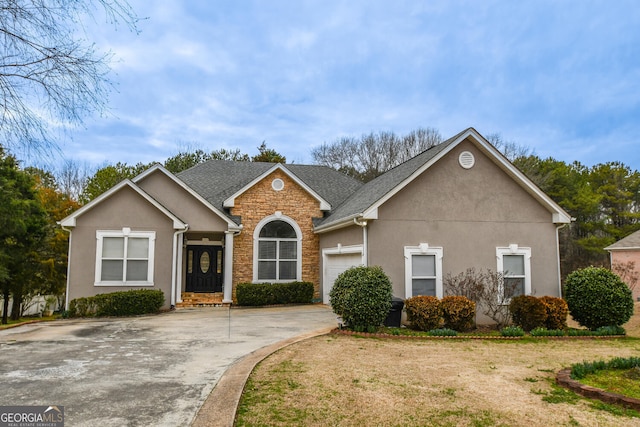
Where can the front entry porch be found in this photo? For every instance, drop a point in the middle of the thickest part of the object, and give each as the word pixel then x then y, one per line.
pixel 202 299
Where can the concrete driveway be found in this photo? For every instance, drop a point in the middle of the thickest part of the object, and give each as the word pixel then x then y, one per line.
pixel 140 371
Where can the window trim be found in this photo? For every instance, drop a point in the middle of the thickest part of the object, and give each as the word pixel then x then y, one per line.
pixel 514 249
pixel 125 233
pixel 422 249
pixel 278 216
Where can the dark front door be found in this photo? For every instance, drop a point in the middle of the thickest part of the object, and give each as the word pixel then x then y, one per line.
pixel 204 269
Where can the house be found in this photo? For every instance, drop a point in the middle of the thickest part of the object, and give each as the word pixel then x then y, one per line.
pixel 625 260
pixel 457 205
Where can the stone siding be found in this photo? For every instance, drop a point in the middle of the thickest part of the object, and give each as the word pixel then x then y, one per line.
pixel 261 201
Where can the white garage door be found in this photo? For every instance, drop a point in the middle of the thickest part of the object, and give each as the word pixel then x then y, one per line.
pixel 334 265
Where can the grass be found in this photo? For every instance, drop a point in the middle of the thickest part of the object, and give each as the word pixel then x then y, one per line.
pixel 25 320
pixel 616 381
pixel 355 380
pixel 349 381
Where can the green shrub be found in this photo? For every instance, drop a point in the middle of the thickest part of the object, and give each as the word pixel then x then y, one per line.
pixel 458 312
pixel 572 332
pixel 362 297
pixel 557 311
pixel 424 312
pixel 581 370
pixel 124 303
pixel 442 332
pixel 258 294
pixel 528 312
pixel 596 297
pixel 512 331
pixel 610 330
pixel 82 307
pixel 544 332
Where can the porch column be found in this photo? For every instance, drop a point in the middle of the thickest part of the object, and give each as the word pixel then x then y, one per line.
pixel 180 269
pixel 228 267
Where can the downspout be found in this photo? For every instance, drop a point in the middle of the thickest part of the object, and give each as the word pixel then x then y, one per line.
pixel 558 228
pixel 174 266
pixel 66 297
pixel 365 240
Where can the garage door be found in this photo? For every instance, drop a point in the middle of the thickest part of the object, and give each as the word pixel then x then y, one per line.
pixel 334 265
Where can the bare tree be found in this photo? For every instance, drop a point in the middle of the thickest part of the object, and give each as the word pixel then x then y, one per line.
pixel 72 177
pixel 50 77
pixel 510 149
pixel 375 153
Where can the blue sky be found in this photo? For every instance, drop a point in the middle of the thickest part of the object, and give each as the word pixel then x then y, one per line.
pixel 561 77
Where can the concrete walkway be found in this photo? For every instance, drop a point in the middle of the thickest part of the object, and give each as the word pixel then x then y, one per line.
pixel 152 370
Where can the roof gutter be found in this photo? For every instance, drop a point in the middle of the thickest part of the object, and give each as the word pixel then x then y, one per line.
pixel 346 222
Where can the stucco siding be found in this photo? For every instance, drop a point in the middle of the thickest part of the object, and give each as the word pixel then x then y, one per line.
pixel 126 208
pixel 347 236
pixel 182 204
pixel 468 213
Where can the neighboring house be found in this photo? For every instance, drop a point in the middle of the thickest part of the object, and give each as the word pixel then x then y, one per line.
pixel 625 260
pixel 457 205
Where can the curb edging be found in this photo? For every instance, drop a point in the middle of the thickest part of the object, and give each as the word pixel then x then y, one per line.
pixel 220 407
pixel 563 378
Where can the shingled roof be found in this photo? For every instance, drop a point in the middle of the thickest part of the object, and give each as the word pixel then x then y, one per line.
pixel 632 241
pixel 217 180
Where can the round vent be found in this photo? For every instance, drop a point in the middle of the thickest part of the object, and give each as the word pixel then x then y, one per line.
pixel 466 160
pixel 277 184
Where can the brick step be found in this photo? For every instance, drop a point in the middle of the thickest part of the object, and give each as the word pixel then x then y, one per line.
pixel 196 299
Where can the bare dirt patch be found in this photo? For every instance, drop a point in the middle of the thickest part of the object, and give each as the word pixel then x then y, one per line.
pixel 350 381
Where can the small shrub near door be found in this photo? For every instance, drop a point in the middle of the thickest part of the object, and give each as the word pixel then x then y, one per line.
pixel 597 297
pixel 424 312
pixel 258 294
pixel 362 297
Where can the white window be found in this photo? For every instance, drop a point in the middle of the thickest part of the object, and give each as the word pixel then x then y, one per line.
pixel 124 258
pixel 423 271
pixel 514 263
pixel 277 250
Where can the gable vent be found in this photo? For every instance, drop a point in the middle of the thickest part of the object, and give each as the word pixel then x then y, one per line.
pixel 466 160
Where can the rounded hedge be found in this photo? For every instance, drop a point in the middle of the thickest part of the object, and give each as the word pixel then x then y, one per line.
pixel 458 312
pixel 362 297
pixel 528 312
pixel 596 297
pixel 424 312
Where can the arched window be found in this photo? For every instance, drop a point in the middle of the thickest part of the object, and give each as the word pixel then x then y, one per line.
pixel 277 252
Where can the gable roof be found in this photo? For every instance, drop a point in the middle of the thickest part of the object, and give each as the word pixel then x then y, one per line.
pixel 158 168
pixel 70 221
pixel 365 202
pixel 632 241
pixel 220 181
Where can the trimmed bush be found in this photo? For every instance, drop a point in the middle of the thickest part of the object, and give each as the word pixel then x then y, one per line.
pixel 124 303
pixel 596 297
pixel 424 312
pixel 362 297
pixel 443 332
pixel 544 332
pixel 557 311
pixel 458 312
pixel 512 331
pixel 528 312
pixel 257 294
